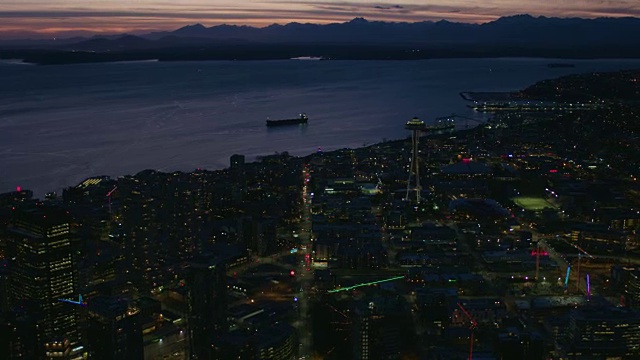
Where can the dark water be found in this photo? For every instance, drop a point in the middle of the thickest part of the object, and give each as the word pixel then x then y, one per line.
pixel 61 124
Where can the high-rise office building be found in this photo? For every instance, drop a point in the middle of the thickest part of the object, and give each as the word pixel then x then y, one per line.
pixel 43 271
pixel 141 229
pixel 633 289
pixel 114 330
pixel 276 342
pixel 18 336
pixel 379 326
pixel 238 177
pixel 603 333
pixel 207 304
pixel 364 331
pixel 4 287
pixel 260 235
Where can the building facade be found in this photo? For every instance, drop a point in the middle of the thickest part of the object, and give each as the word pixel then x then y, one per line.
pixel 43 272
pixel 207 305
pixel 114 330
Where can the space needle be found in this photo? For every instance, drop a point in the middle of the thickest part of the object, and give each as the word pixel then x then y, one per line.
pixel 416 126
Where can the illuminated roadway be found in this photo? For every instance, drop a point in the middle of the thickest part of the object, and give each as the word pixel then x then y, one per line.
pixel 304 276
pixel 171 346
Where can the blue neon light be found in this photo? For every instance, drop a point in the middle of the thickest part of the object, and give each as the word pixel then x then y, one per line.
pixel 79 302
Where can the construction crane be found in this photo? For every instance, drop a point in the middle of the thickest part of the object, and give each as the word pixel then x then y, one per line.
pixel 537 253
pixel 472 328
pixel 109 197
pixel 580 252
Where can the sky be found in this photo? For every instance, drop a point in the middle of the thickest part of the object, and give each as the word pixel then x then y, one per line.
pixel 50 18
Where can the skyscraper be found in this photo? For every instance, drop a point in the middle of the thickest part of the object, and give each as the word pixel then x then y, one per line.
pixel 18 335
pixel 141 230
pixel 207 304
pixel 604 333
pixel 364 331
pixel 42 268
pixel 633 289
pixel 237 173
pixel 114 330
pixel 379 326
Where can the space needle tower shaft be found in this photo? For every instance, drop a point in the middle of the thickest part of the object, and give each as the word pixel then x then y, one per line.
pixel 416 126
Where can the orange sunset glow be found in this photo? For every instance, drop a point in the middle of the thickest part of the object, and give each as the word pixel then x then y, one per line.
pixel 72 17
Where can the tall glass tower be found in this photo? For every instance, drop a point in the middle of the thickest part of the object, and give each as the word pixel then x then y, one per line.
pixel 207 304
pixel 41 260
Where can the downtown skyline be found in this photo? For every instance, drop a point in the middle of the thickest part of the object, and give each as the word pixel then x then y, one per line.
pixel 37 18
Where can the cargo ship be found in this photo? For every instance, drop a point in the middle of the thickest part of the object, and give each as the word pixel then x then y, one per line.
pixel 302 119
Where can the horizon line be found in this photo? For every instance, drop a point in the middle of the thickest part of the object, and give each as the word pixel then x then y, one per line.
pixel 68 33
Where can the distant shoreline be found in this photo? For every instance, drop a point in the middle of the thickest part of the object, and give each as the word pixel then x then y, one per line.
pixel 144 156
pixel 462 94
pixel 15 62
pixel 323 52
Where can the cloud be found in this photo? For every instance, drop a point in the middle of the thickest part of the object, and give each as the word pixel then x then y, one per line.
pixel 393 7
pixel 129 16
pixel 481 11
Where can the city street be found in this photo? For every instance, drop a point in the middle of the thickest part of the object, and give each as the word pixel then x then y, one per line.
pixel 304 275
pixel 170 347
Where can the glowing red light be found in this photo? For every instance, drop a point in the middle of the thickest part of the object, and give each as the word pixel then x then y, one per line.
pixel 292 273
pixel 466 160
pixel 553 171
pixel 542 253
pixel 18 188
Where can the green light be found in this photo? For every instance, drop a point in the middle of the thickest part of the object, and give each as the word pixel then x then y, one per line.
pixel 365 284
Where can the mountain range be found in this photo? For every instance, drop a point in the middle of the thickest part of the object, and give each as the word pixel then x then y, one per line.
pixel 511 29
pixel 535 36
pixel 517 29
